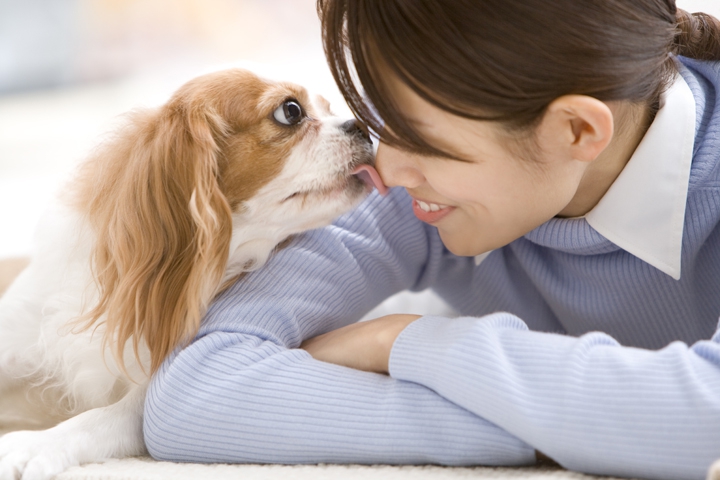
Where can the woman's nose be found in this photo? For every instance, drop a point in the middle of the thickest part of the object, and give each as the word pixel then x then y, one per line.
pixel 398 168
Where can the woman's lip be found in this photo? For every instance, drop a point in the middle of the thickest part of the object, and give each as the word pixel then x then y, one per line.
pixel 430 217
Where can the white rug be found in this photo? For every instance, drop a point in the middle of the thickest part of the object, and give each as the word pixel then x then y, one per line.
pixel 143 468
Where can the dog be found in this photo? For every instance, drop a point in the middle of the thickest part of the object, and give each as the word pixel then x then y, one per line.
pixel 177 205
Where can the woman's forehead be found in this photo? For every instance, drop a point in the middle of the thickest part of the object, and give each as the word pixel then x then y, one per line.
pixel 430 120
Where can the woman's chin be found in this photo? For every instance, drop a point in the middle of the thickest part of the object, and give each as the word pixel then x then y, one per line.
pixel 459 245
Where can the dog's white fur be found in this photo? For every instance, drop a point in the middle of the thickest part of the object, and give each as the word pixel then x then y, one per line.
pixel 67 370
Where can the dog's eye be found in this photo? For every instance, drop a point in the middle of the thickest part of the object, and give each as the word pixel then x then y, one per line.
pixel 289 113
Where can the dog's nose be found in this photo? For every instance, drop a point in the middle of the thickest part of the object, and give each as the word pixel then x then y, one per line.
pixel 353 127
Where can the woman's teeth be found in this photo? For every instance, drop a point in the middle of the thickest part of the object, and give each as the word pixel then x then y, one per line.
pixel 430 207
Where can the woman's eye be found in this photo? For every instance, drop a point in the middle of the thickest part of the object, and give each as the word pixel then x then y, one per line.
pixel 289 113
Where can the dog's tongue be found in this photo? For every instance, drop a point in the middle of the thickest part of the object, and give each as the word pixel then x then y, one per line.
pixel 371 177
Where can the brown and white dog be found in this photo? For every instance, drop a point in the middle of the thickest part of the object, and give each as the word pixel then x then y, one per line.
pixel 177 205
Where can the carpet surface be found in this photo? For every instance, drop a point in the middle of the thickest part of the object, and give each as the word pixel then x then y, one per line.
pixel 9 269
pixel 147 469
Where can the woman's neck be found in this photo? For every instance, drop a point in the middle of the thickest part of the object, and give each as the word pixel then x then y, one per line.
pixel 631 123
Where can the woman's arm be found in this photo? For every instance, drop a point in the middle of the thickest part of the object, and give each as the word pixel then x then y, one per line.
pixel 587 402
pixel 243 392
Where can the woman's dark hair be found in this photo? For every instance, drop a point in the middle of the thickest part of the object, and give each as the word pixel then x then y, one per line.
pixel 505 60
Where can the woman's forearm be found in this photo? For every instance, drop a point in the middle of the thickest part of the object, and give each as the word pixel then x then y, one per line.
pixel 239 398
pixel 587 402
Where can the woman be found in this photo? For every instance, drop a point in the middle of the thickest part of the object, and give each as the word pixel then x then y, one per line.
pixel 562 161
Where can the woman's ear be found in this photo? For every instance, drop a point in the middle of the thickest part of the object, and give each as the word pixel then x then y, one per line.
pixel 576 127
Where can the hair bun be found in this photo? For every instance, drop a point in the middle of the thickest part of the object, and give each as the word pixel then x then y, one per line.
pixel 697 35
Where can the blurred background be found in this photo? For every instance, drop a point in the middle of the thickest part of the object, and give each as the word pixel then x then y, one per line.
pixel 55 43
pixel 70 68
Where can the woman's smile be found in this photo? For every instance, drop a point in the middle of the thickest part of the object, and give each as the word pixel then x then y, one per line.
pixel 430 212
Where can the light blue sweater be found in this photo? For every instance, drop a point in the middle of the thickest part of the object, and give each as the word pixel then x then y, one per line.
pixel 641 399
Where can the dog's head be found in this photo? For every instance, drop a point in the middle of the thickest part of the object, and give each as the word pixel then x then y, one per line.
pixel 190 195
pixel 286 164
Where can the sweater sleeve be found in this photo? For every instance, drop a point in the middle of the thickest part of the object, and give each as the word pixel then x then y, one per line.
pixel 243 392
pixel 592 405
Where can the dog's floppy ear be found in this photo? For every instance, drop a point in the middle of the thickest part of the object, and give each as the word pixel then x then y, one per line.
pixel 162 227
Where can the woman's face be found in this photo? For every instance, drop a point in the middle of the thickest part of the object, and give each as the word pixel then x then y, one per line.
pixel 488 201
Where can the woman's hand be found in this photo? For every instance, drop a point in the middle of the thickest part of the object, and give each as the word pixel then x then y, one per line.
pixel 363 345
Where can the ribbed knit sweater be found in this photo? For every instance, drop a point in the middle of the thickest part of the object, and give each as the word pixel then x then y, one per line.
pixel 640 399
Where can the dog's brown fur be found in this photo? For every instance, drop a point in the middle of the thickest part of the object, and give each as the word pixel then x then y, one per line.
pixel 157 262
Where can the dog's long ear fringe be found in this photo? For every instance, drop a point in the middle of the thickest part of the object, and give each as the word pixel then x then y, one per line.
pixel 162 227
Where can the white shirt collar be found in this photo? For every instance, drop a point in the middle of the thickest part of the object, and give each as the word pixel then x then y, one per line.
pixel 643 212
